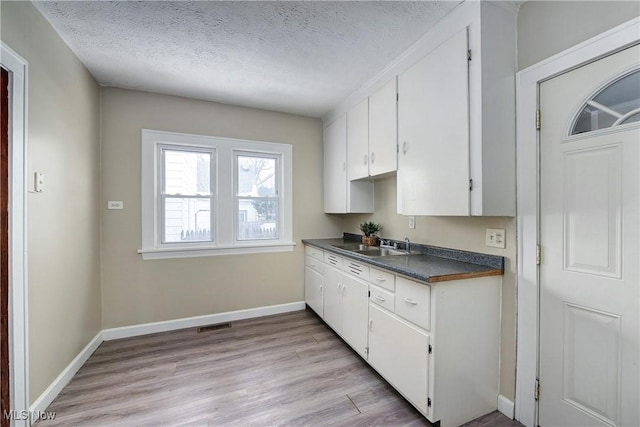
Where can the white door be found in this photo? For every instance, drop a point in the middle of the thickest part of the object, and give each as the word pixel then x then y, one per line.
pixel 335 166
pixel 383 130
pixel 589 233
pixel 313 289
pixel 358 141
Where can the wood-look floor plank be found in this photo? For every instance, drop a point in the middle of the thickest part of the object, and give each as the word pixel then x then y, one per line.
pixel 284 370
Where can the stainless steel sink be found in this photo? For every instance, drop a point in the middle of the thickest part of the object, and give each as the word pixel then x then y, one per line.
pixel 372 251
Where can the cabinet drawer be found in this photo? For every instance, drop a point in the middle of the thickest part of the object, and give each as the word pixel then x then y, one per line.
pixel 332 259
pixel 314 264
pixel 383 278
pixel 314 252
pixel 413 302
pixel 382 297
pixel 356 268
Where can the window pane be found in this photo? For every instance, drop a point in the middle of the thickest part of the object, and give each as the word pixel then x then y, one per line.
pixel 616 104
pixel 187 172
pixel 257 219
pixel 256 176
pixel 187 220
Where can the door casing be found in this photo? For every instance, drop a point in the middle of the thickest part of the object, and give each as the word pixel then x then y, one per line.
pixel 18 316
pixel 528 199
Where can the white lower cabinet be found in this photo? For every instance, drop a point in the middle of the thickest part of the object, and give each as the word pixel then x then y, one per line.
pixel 438 344
pixel 313 279
pixel 355 310
pixel 400 353
pixel 313 287
pixel 346 307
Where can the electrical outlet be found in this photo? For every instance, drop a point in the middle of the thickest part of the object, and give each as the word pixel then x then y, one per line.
pixel 495 238
pixel 412 222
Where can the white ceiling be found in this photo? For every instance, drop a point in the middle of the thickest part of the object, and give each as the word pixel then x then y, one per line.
pixel 298 57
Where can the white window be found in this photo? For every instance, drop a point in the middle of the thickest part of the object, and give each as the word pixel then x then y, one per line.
pixel 205 196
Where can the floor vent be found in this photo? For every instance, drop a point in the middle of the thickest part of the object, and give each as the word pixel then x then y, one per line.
pixel 215 327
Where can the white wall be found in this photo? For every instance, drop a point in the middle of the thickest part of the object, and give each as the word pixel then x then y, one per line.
pixel 63 223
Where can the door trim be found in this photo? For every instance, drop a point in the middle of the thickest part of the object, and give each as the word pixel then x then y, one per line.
pixel 18 319
pixel 527 84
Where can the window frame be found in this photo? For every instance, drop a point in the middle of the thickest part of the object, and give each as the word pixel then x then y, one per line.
pixel 225 210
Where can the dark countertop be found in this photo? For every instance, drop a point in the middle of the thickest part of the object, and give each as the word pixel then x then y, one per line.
pixel 426 263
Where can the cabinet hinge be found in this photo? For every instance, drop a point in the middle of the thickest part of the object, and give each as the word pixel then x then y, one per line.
pixel 538 121
pixel 430 349
pixel 428 402
pixel 366 350
pixel 397 148
pixel 538 254
pixel 397 97
pixel 469 55
pixel 536 393
pixel 470 185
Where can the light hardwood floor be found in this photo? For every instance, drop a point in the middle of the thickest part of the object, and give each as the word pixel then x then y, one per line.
pixel 288 369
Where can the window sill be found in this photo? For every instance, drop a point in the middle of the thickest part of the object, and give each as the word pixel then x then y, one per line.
pixel 193 252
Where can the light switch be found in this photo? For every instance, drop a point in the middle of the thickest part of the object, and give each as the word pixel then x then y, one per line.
pixel 38 182
pixel 115 204
pixel 495 238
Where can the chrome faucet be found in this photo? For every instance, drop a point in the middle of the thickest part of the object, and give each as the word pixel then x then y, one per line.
pixel 407 244
pixel 387 244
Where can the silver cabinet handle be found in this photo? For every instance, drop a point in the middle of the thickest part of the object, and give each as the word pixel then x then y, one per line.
pixel 405 147
pixel 365 159
pixel 373 157
pixel 381 279
pixel 410 301
pixel 320 288
pixel 371 325
pixel 380 298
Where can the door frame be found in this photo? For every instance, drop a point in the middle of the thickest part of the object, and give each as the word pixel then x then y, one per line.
pixel 18 315
pixel 528 199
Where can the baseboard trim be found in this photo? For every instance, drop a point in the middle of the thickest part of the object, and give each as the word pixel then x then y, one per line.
pixel 45 399
pixel 506 406
pixel 191 322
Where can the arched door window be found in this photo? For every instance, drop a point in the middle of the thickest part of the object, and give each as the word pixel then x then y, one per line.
pixel 617 104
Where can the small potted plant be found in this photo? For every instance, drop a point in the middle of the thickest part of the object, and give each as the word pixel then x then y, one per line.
pixel 369 229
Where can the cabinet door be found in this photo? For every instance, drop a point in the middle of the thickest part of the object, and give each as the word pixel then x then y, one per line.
pixel 383 136
pixel 355 313
pixel 358 140
pixel 335 166
pixel 400 353
pixel 433 132
pixel 313 289
pixel 333 298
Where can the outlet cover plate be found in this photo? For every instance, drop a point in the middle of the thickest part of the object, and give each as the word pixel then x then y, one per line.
pixel 495 238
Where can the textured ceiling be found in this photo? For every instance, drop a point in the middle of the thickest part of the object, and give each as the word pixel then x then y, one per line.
pixel 298 57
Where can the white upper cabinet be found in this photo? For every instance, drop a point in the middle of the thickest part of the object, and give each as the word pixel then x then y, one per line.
pixel 358 140
pixel 383 130
pixel 456 120
pixel 340 195
pixel 433 119
pixel 372 134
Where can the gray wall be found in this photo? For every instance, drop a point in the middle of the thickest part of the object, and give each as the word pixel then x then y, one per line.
pixel 136 291
pixel 63 223
pixel 548 27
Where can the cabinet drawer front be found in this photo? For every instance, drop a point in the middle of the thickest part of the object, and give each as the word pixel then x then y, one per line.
pixel 314 264
pixel 332 259
pixel 356 268
pixel 382 297
pixel 413 302
pixel 314 252
pixel 383 278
